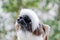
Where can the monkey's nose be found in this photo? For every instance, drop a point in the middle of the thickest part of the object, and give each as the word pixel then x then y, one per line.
pixel 21 21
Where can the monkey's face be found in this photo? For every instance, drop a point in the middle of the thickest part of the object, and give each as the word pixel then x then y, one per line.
pixel 25 23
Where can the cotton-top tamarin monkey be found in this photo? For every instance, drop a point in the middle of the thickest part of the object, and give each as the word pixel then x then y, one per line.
pixel 29 27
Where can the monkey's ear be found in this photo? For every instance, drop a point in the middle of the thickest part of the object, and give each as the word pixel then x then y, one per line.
pixel 17 26
pixel 46 29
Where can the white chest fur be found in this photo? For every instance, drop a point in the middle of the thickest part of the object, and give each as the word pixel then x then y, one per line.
pixel 27 36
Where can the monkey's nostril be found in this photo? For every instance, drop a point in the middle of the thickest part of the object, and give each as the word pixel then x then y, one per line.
pixel 17 19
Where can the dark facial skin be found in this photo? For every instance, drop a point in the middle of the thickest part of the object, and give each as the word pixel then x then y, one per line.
pixel 25 22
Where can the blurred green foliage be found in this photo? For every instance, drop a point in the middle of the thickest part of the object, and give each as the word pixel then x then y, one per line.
pixel 55 25
pixel 11 5
pixel 16 5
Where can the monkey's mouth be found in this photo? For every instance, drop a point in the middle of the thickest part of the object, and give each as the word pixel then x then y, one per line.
pixel 25 23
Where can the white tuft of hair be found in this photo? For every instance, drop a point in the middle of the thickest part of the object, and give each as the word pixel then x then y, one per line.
pixel 32 15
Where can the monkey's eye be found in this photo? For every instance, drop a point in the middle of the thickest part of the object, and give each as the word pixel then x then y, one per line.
pixel 20 17
pixel 27 19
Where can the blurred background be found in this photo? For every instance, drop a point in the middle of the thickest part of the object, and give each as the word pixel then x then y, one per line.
pixel 47 10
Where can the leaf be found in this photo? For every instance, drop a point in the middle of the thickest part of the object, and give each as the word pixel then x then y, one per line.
pixel 57 36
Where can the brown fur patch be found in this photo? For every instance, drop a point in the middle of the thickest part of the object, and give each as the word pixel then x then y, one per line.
pixel 17 27
pixel 37 32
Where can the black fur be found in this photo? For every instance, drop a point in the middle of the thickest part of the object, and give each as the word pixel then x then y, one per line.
pixel 25 23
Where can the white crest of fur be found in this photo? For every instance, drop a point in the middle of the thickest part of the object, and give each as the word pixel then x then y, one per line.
pixel 33 17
